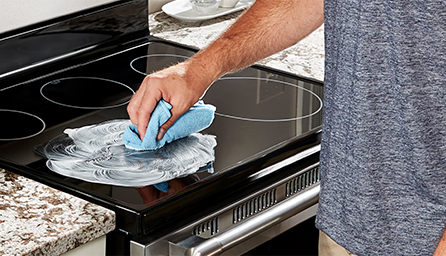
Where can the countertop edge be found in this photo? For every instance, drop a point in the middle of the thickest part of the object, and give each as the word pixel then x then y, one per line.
pixel 38 220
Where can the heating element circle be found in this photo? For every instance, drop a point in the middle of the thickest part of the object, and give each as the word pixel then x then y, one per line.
pixel 87 92
pixel 161 60
pixel 21 125
pixel 259 82
pixel 165 60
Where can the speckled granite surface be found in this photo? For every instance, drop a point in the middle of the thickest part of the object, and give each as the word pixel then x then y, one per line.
pixel 306 58
pixel 38 220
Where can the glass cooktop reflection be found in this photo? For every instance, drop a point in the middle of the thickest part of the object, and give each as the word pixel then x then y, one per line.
pixel 44 46
pixel 256 110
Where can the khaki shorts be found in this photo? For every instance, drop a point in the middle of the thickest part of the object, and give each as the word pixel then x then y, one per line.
pixel 328 247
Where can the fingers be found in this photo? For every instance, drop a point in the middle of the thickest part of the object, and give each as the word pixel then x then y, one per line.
pixel 133 107
pixel 145 111
pixel 175 114
pixel 142 105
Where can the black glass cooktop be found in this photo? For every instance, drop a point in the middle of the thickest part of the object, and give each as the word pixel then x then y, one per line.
pixel 257 111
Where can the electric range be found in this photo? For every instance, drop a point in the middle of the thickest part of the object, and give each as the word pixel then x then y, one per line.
pixel 83 69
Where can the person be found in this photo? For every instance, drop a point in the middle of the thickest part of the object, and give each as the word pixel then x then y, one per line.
pixel 383 156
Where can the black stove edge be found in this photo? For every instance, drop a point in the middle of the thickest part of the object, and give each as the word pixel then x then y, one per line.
pixel 288 74
pixel 233 181
pixel 48 23
pixel 105 19
pixel 83 58
pixel 171 210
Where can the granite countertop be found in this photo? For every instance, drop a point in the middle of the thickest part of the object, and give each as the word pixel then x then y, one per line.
pixel 305 58
pixel 38 220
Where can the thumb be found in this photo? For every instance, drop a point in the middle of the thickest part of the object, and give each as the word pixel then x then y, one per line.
pixel 163 128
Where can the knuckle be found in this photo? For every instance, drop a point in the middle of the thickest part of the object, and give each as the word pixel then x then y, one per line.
pixel 168 123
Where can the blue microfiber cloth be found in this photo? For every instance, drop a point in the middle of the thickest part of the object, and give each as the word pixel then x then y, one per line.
pixel 197 118
pixel 162 186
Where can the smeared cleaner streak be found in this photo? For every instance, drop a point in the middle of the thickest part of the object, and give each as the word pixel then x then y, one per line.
pixel 97 154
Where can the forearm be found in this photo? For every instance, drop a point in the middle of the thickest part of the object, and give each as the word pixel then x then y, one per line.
pixel 441 247
pixel 266 28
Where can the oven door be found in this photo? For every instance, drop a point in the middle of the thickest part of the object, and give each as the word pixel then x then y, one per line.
pixel 251 220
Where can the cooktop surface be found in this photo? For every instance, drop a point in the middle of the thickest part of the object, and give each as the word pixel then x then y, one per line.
pixel 256 110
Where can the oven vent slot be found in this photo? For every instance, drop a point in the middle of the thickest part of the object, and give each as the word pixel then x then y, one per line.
pixel 254 206
pixel 239 213
pixel 302 181
pixel 208 228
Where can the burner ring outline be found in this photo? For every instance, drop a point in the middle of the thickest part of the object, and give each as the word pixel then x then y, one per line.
pixel 272 120
pixel 85 77
pixel 154 55
pixel 28 114
pixel 234 78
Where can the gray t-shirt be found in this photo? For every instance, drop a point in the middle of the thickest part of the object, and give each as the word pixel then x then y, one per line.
pixel 383 158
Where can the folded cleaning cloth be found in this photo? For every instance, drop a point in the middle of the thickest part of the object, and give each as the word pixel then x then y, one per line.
pixel 197 118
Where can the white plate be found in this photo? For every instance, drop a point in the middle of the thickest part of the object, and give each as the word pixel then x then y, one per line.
pixel 182 10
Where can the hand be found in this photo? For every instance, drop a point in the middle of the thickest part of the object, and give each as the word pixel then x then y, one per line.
pixel 178 85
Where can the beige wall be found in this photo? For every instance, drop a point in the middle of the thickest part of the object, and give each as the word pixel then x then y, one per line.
pixel 19 13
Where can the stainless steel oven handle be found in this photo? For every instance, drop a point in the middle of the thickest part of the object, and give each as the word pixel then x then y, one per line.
pixel 249 228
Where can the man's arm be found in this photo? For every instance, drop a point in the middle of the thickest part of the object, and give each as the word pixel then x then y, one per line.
pixel 441 247
pixel 265 28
